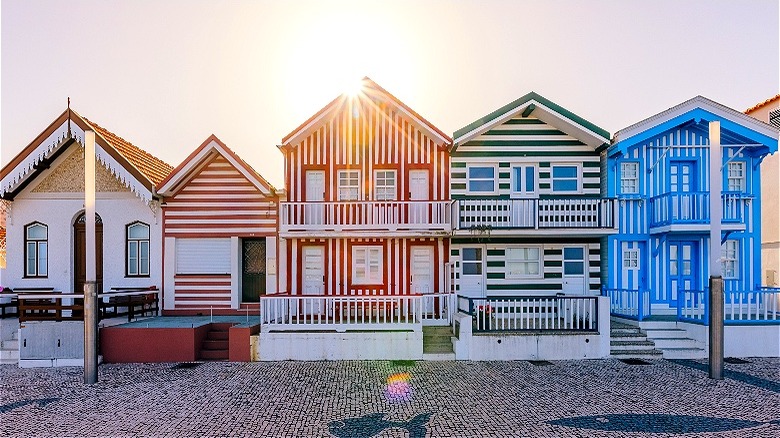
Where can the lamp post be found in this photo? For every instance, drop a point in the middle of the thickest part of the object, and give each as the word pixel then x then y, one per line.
pixel 716 278
pixel 90 285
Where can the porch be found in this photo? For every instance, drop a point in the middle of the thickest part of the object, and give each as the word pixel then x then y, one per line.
pixel 321 219
pixel 592 216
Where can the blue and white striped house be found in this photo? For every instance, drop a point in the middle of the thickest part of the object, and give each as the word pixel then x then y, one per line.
pixel 658 169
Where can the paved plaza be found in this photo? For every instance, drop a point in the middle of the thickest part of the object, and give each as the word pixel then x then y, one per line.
pixel 381 398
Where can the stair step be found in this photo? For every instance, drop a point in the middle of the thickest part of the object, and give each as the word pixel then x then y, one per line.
pixel 438 348
pixel 621 334
pixel 666 333
pixel 214 355
pixel 215 345
pixel 631 345
pixel 636 354
pixel 438 356
pixel 664 343
pixel 685 353
pixel 218 335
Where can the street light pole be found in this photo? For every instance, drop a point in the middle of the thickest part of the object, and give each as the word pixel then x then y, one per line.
pixel 716 278
pixel 90 285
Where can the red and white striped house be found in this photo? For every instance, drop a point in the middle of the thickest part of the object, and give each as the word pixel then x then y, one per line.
pixel 219 229
pixel 367 209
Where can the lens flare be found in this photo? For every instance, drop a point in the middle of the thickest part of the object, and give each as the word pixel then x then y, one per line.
pixel 398 388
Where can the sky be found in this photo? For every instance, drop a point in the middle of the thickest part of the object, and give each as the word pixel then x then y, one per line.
pixel 165 74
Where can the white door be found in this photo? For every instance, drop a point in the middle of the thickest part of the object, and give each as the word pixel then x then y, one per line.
pixel 574 270
pixel 472 268
pixel 422 275
pixel 313 278
pixel 418 192
pixel 313 214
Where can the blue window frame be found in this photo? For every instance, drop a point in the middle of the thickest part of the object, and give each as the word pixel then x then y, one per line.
pixel 524 181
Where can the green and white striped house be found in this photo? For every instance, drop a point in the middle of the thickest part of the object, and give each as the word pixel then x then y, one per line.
pixel 528 209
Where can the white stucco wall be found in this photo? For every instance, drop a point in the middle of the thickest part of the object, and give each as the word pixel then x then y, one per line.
pixel 380 345
pixel 59 211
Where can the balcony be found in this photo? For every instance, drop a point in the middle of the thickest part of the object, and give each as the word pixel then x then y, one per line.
pixel 586 216
pixel 399 218
pixel 690 211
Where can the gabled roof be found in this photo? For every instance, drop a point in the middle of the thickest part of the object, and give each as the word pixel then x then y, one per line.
pixel 189 167
pixel 542 108
pixel 698 108
pixel 762 104
pixel 370 91
pixel 147 169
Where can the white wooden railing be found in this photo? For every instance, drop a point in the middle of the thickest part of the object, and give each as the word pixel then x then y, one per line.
pixel 760 306
pixel 521 313
pixel 535 213
pixel 694 207
pixel 365 215
pixel 354 312
pixel 628 303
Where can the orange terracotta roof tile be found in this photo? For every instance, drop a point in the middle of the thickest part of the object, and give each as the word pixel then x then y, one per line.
pixel 766 102
pixel 152 167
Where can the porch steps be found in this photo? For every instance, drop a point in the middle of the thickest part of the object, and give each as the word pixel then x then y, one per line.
pixel 629 342
pixel 216 346
pixel 675 344
pixel 437 343
pixel 9 349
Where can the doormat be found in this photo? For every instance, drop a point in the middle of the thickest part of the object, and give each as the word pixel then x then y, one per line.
pixel 402 363
pixel 635 361
pixel 735 360
pixel 186 365
pixel 540 363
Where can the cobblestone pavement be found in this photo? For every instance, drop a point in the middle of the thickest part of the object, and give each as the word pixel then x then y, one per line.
pixel 446 399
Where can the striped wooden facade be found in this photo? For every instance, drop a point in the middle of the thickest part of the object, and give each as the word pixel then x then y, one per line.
pixel 531 132
pixel 525 140
pixel 680 137
pixel 213 202
pixel 550 278
pixel 372 131
pixel 337 263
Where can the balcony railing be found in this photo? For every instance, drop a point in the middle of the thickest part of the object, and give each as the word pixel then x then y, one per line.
pixel 536 213
pixel 694 208
pixel 628 303
pixel 365 216
pixel 354 312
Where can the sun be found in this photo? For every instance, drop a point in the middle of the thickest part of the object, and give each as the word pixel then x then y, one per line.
pixel 354 88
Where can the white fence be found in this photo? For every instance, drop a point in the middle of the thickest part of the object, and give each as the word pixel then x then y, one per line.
pixel 536 213
pixel 363 215
pixel 354 312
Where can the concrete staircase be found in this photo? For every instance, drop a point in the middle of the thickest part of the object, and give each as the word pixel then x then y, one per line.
pixel 9 349
pixel 216 345
pixel 629 342
pixel 437 343
pixel 673 341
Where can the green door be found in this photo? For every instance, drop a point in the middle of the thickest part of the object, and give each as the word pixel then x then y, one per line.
pixel 252 270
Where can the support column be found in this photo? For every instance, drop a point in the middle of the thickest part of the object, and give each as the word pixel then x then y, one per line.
pixel 716 278
pixel 90 286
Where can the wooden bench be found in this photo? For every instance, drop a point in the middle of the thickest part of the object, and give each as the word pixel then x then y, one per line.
pixel 130 305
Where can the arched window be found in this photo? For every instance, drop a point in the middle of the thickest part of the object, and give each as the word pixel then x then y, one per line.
pixel 36 250
pixel 137 237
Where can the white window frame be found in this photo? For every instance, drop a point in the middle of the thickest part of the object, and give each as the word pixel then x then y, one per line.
pixel 344 190
pixel 40 252
pixel 381 191
pixel 578 178
pixel 494 179
pixel 627 180
pixel 528 261
pixel 631 259
pixel 740 181
pixel 135 266
pixel 518 187
pixel 729 256
pixel 372 264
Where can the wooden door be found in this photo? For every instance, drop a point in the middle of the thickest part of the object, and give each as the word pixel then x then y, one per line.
pixel 314 210
pixel 575 270
pixel 80 254
pixel 313 278
pixel 253 270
